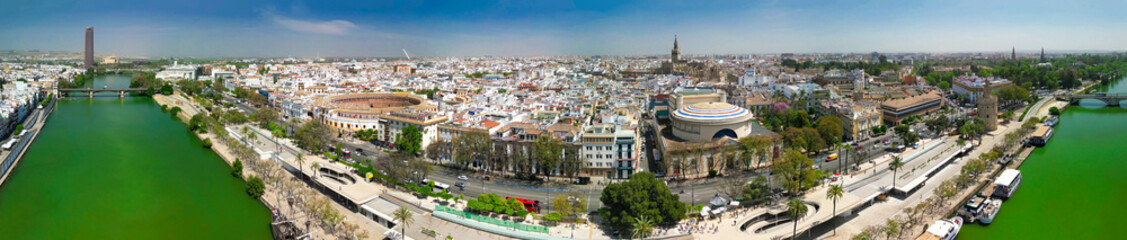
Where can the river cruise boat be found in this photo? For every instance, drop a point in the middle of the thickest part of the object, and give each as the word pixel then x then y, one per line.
pixel 943 229
pixel 991 209
pixel 1007 183
pixel 1041 136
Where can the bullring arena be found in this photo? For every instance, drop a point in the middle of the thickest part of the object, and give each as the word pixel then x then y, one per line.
pixel 361 111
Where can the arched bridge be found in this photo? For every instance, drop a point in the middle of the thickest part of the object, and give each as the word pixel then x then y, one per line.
pixel 1111 100
pixel 91 91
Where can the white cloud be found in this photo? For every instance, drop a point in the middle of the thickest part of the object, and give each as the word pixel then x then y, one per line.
pixel 332 27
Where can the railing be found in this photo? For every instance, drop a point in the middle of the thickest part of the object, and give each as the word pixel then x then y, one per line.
pixel 15 153
pixel 489 220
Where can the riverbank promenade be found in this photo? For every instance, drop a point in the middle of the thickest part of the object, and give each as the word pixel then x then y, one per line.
pixel 33 125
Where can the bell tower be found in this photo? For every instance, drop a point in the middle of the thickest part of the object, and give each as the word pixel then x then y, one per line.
pixel 675 56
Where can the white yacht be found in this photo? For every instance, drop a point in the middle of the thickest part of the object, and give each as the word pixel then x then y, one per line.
pixel 986 216
pixel 943 229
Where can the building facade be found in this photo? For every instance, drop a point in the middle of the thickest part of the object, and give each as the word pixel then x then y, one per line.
pixel 894 111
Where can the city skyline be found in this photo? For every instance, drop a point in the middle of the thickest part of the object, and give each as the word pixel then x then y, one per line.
pixel 251 28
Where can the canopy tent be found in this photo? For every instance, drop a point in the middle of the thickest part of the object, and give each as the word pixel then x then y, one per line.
pixel 704 211
pixel 735 203
pixel 718 210
pixel 718 201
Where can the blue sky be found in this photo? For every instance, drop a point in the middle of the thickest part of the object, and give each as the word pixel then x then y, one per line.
pixel 208 28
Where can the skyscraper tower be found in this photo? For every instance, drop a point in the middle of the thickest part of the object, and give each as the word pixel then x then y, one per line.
pixel 1013 55
pixel 676 55
pixel 1042 54
pixel 89 63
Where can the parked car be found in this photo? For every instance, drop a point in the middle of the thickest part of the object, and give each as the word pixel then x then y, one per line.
pixel 463 177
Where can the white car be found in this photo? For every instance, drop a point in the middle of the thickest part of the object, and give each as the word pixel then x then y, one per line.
pixel 463 177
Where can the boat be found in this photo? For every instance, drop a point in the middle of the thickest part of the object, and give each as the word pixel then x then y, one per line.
pixel 1007 183
pixel 943 229
pixel 1041 136
pixel 973 207
pixel 1052 121
pixel 992 206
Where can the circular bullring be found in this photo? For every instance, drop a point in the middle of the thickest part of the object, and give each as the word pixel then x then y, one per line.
pixel 362 110
pixel 707 121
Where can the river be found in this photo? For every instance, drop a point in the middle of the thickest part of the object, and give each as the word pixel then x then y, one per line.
pixel 114 168
pixel 1075 186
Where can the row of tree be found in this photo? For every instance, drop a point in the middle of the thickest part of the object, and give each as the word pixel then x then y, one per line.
pixel 544 156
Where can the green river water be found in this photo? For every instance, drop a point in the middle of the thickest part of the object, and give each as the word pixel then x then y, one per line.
pixel 1076 186
pixel 113 168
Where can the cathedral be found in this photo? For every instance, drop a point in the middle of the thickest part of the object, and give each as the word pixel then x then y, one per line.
pixel 702 70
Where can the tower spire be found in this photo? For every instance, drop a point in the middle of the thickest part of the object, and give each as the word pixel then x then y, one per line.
pixel 675 55
pixel 1013 55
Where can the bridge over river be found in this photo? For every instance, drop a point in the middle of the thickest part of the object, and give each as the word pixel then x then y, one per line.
pixel 91 91
pixel 1112 100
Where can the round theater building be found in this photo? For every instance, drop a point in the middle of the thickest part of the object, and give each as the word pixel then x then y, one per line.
pixel 360 111
pixel 702 122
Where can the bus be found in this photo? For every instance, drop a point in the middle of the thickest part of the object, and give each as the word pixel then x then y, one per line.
pixel 531 206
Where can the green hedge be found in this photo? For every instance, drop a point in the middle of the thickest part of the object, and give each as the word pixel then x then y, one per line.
pixel 424 190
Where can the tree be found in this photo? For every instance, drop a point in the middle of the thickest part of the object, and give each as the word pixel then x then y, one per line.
pixel 642 195
pixel 547 151
pixel 891 228
pixel 405 218
pixel 894 165
pixel 300 159
pixel 642 227
pixel 796 208
pixel 796 170
pixel 1054 111
pixel 409 140
pixel 196 123
pixel 264 115
pixel 166 89
pixel 834 193
pixel 316 168
pixel 255 187
pixel 234 117
pixel 569 203
pixel 944 85
pixel 237 168
pixel 755 191
pixel 938 124
pixel 830 128
pixel 314 135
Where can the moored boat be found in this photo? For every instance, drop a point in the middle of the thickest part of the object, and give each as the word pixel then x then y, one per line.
pixel 1007 183
pixel 993 206
pixel 943 229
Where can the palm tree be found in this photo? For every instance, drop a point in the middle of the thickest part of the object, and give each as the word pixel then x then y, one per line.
pixel 894 165
pixel 300 161
pixel 403 215
pixel 834 193
pixel 642 227
pixel 252 136
pixel 797 210
pixel 316 168
pixel 246 133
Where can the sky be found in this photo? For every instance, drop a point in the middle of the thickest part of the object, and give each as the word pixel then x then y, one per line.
pixel 377 28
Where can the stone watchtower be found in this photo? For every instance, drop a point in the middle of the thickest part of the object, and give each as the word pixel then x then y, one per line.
pixel 988 107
